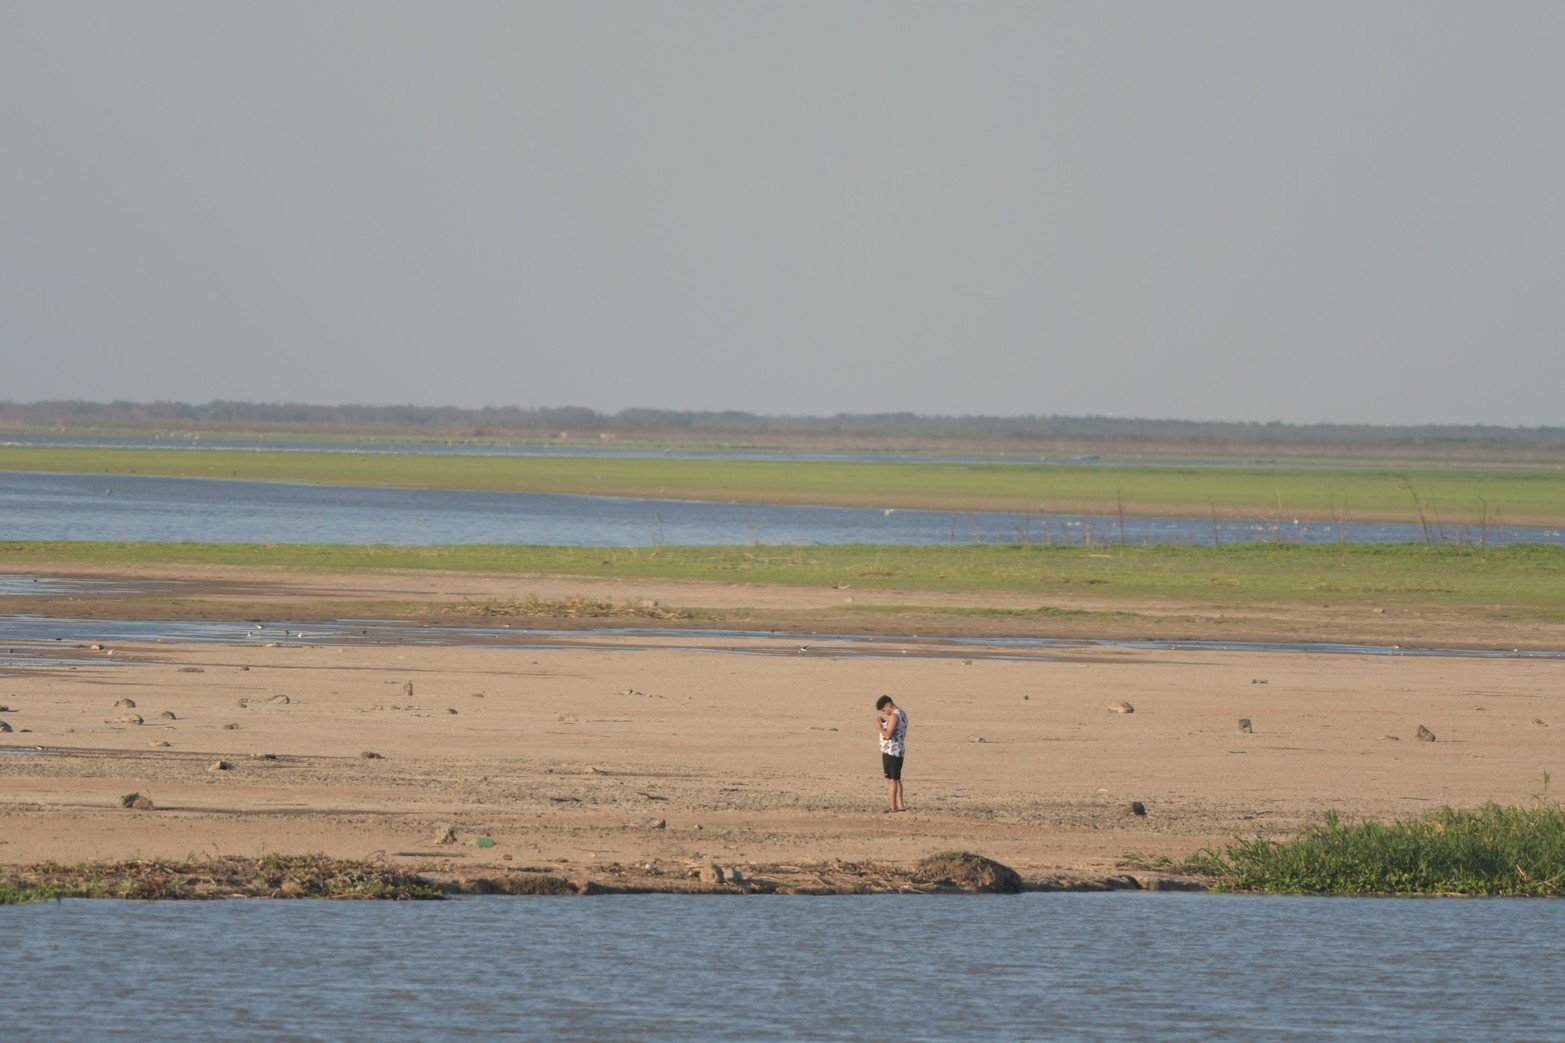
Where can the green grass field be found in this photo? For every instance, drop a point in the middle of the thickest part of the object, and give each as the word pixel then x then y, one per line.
pixel 1446 497
pixel 1525 580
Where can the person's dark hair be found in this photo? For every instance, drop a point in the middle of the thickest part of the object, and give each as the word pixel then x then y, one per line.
pixel 883 702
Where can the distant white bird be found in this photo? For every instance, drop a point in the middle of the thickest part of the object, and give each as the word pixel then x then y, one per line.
pixel 889 511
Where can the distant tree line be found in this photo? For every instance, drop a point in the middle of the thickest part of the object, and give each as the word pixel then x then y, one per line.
pixel 500 421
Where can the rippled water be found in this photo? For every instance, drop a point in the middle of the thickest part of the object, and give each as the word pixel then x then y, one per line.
pixel 100 507
pixel 1122 966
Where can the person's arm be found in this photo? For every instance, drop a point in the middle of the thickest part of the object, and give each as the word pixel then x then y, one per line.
pixel 885 725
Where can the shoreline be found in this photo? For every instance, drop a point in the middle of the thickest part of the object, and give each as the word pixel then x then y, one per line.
pixel 318 877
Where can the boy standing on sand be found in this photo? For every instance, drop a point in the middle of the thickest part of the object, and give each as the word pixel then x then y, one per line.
pixel 891 723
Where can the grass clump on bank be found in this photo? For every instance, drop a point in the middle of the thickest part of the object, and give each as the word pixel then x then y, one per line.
pixel 969 872
pixel 1492 850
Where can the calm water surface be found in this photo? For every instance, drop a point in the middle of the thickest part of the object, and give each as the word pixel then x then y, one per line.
pixel 102 507
pixel 1119 966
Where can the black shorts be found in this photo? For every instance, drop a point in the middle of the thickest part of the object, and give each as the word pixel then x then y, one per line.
pixel 892 766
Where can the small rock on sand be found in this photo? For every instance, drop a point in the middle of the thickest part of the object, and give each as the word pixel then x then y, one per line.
pixel 5 727
pixel 1391 738
pixel 137 801
pixel 280 699
pixel 167 715
pixel 130 718
pixel 219 766
pixel 370 755
pixel 272 644
pixel 1425 735
pixel 125 704
pixel 451 710
pixel 708 873
pixel 1538 722
pixel 95 647
pixel 657 823
pixel 1244 725
pixel 407 690
pixel 1121 707
pixel 263 756
pixel 230 727
pixel 1135 807
pixel 977 738
pixel 447 836
pixel 159 742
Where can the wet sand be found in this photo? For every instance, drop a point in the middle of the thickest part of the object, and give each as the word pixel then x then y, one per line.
pixel 589 760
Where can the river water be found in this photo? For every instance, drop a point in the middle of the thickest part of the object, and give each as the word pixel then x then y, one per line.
pixel 1069 966
pixel 100 507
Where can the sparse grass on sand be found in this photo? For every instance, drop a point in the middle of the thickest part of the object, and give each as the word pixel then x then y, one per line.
pixel 1435 495
pixel 1497 583
pixel 1493 850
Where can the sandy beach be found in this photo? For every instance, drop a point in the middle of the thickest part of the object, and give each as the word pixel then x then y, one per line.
pixel 677 749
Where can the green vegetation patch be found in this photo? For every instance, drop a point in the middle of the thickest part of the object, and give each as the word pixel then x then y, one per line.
pixel 1438 497
pixel 1491 851
pixel 570 608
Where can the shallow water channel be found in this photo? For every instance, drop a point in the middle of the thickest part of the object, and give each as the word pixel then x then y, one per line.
pixel 892 967
pixel 27 640
pixel 116 507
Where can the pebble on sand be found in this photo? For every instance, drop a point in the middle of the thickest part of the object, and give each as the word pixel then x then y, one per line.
pixel 371 755
pixel 125 704
pixel 1121 707
pixel 219 766
pixel 1135 807
pixel 1425 735
pixel 137 801
pixel 1244 725
pixel 130 718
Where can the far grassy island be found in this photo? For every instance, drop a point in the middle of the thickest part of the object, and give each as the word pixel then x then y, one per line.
pixel 1437 497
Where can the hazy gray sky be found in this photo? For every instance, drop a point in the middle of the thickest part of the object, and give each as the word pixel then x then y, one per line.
pixel 1244 210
